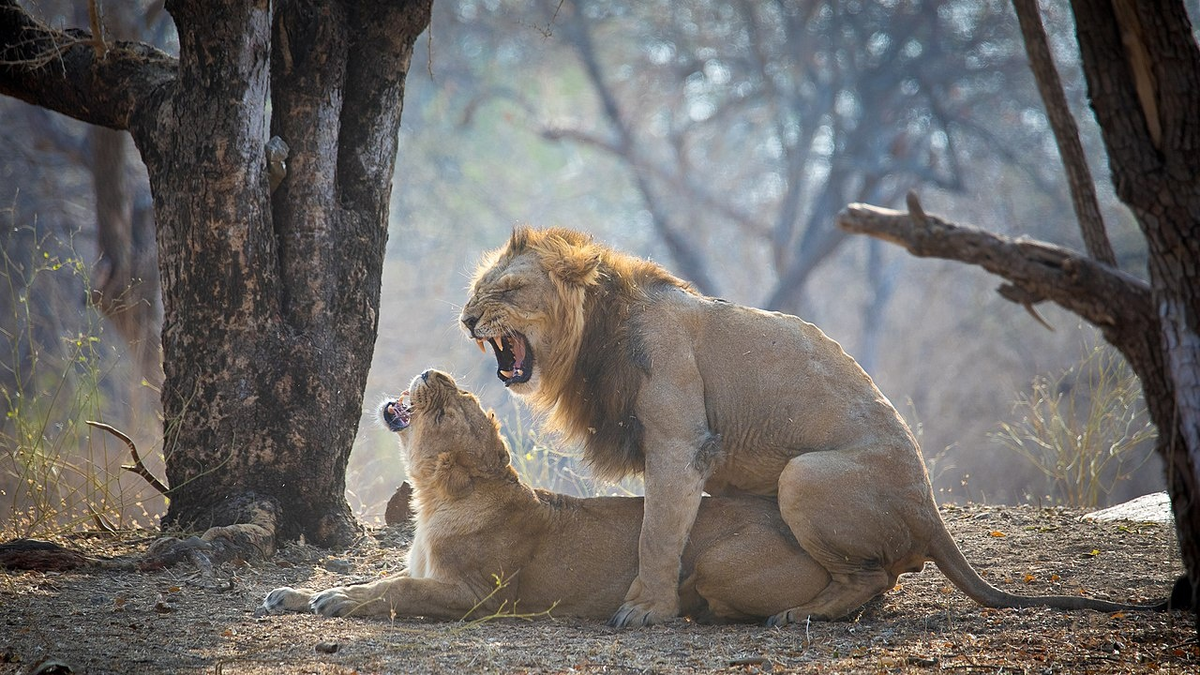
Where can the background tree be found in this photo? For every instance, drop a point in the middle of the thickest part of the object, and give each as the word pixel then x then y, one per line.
pixel 1142 65
pixel 744 127
pixel 270 299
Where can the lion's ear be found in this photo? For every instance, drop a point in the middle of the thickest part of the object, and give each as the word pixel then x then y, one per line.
pixel 570 263
pixel 452 476
pixel 519 240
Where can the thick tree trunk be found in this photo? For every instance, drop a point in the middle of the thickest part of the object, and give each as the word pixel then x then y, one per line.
pixel 270 299
pixel 1142 65
pixel 272 311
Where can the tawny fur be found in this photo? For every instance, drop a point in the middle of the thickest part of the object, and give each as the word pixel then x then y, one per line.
pixel 487 543
pixel 704 395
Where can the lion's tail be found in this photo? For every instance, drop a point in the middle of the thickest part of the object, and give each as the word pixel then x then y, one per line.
pixel 954 565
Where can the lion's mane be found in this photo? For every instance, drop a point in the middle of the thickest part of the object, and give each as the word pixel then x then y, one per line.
pixel 591 381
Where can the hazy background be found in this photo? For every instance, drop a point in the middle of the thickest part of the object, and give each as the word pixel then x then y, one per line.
pixel 717 138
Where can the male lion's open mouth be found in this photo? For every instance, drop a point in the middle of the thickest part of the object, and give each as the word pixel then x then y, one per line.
pixel 514 358
pixel 397 415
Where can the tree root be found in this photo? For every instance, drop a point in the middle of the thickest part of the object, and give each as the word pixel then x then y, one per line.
pixel 253 540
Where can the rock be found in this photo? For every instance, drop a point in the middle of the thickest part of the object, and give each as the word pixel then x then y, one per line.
pixel 1151 508
pixel 338 566
pixel 398 511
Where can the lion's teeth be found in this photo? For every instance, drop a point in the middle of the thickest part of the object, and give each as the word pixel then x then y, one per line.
pixel 519 372
pixel 506 373
pixel 481 347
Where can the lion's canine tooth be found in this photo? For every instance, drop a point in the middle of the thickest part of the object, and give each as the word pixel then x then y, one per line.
pixel 506 373
pixel 519 372
pixel 481 347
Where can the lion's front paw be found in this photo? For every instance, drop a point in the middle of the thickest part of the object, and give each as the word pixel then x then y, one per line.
pixel 641 614
pixel 333 602
pixel 287 599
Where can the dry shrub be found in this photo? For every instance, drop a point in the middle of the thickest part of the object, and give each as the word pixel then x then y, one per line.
pixel 1085 429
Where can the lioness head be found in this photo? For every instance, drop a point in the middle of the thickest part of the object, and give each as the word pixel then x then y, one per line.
pixel 450 442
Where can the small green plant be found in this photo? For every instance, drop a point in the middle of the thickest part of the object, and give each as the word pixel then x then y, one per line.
pixel 1085 430
pixel 54 475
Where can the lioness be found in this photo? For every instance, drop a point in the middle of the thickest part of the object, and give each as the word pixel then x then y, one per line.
pixel 478 526
pixel 700 395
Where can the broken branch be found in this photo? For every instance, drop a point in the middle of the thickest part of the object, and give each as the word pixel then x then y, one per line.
pixel 137 467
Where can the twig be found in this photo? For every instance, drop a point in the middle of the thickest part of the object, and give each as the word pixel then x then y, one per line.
pixel 97 30
pixel 137 467
pixel 1025 299
pixel 100 521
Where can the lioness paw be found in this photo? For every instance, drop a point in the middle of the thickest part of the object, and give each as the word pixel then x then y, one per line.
pixel 333 602
pixel 287 599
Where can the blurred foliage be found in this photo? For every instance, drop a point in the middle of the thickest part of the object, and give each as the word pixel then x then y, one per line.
pixel 53 475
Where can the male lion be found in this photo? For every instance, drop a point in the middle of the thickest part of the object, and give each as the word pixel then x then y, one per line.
pixel 700 395
pixel 478 526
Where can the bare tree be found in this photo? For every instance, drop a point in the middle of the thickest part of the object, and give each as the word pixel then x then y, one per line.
pixel 755 122
pixel 1142 65
pixel 270 298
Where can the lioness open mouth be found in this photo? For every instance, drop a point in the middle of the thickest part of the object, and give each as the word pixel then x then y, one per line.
pixel 397 415
pixel 514 358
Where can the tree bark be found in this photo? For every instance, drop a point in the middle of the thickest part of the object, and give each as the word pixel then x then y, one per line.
pixel 270 300
pixel 1142 66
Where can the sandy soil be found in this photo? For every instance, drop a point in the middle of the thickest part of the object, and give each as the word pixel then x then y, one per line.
pixel 182 621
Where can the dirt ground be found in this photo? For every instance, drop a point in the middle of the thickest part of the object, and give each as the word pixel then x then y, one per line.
pixel 181 621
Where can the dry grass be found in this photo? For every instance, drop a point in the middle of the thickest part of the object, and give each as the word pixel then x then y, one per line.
pixel 54 474
pixel 1085 430
pixel 179 621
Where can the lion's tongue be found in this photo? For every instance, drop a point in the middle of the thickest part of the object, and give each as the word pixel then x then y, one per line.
pixel 518 347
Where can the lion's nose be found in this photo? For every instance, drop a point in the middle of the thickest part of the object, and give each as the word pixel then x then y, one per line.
pixel 470 321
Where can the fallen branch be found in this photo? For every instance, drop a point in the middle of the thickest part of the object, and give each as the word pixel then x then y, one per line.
pixel 137 467
pixel 253 540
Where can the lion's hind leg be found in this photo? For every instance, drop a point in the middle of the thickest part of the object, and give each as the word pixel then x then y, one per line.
pixel 733 588
pixel 844 594
pixel 854 511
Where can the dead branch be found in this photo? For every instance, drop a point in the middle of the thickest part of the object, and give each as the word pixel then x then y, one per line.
pixel 1066 133
pixel 137 467
pixel 1035 271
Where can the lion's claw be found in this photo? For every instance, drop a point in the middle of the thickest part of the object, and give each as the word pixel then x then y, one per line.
pixel 286 599
pixel 779 620
pixel 631 615
pixel 332 602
